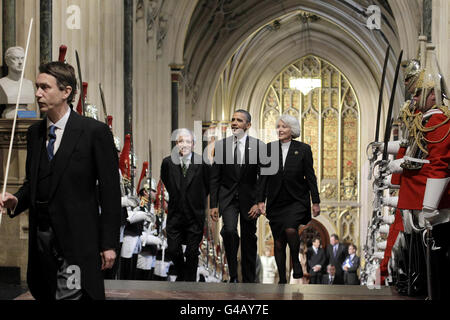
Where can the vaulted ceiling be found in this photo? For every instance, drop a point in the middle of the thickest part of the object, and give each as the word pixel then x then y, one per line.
pixel 261 37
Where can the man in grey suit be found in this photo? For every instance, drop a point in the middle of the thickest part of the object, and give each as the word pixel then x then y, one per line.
pixel 350 266
pixel 336 253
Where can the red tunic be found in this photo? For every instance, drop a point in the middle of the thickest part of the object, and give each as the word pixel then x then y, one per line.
pixel 413 182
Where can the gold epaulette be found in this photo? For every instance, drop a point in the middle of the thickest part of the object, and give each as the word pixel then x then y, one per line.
pixel 418 129
pixel 407 114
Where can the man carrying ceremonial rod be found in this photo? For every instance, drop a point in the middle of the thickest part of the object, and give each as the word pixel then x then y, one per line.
pixel 70 242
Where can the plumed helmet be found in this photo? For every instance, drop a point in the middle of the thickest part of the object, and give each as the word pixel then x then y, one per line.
pixel 62 53
pixel 79 105
pixel 124 160
pixel 411 68
pixel 411 72
pixel 430 78
pixel 144 173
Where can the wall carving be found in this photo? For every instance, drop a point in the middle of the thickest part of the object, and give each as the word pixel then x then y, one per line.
pixel 156 22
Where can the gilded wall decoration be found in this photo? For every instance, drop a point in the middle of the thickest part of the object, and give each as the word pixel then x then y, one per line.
pixel 311 136
pixel 348 224
pixel 332 214
pixel 349 187
pixel 350 144
pixel 330 143
pixel 273 100
pixel 328 191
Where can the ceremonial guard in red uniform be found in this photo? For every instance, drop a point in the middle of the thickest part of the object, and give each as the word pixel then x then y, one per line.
pixel 424 190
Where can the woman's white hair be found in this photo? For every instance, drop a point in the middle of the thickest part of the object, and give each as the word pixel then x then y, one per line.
pixel 291 122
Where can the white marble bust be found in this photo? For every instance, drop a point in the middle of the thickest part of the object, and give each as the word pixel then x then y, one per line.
pixel 9 85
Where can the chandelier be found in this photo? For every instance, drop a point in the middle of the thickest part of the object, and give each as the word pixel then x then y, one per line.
pixel 305 85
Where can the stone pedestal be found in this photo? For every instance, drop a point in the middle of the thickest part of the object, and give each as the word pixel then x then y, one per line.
pixel 14 232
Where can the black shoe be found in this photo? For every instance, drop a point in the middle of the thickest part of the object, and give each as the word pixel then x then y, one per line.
pixel 282 281
pixel 298 272
pixel 233 280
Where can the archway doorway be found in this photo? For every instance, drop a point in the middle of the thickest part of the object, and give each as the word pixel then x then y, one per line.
pixel 329 118
pixel 312 230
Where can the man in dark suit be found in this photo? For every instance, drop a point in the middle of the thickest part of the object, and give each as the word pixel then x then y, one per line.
pixel 350 266
pixel 331 277
pixel 186 178
pixel 316 259
pixel 234 189
pixel 70 241
pixel 335 254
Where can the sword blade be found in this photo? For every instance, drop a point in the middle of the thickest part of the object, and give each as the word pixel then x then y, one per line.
pixel 102 96
pixel 81 82
pixel 380 98
pixel 387 132
pixel 150 161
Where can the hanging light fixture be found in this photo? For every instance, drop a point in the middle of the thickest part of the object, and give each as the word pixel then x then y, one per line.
pixel 305 84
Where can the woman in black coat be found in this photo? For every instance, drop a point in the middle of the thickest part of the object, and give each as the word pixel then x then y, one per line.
pixel 288 192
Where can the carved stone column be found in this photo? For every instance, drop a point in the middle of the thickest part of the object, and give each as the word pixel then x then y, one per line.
pixel 14 232
pixel 175 71
pixel 128 67
pixel 46 31
pixel 427 19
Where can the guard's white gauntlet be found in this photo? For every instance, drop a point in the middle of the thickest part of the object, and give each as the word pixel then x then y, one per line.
pixel 136 216
pixel 394 166
pixel 434 191
pixel 393 146
pixel 150 239
pixel 390 201
pixel 129 201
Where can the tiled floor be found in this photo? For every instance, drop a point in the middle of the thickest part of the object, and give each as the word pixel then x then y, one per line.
pixel 163 290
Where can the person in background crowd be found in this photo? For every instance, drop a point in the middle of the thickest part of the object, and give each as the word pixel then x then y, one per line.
pixel 350 266
pixel 316 260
